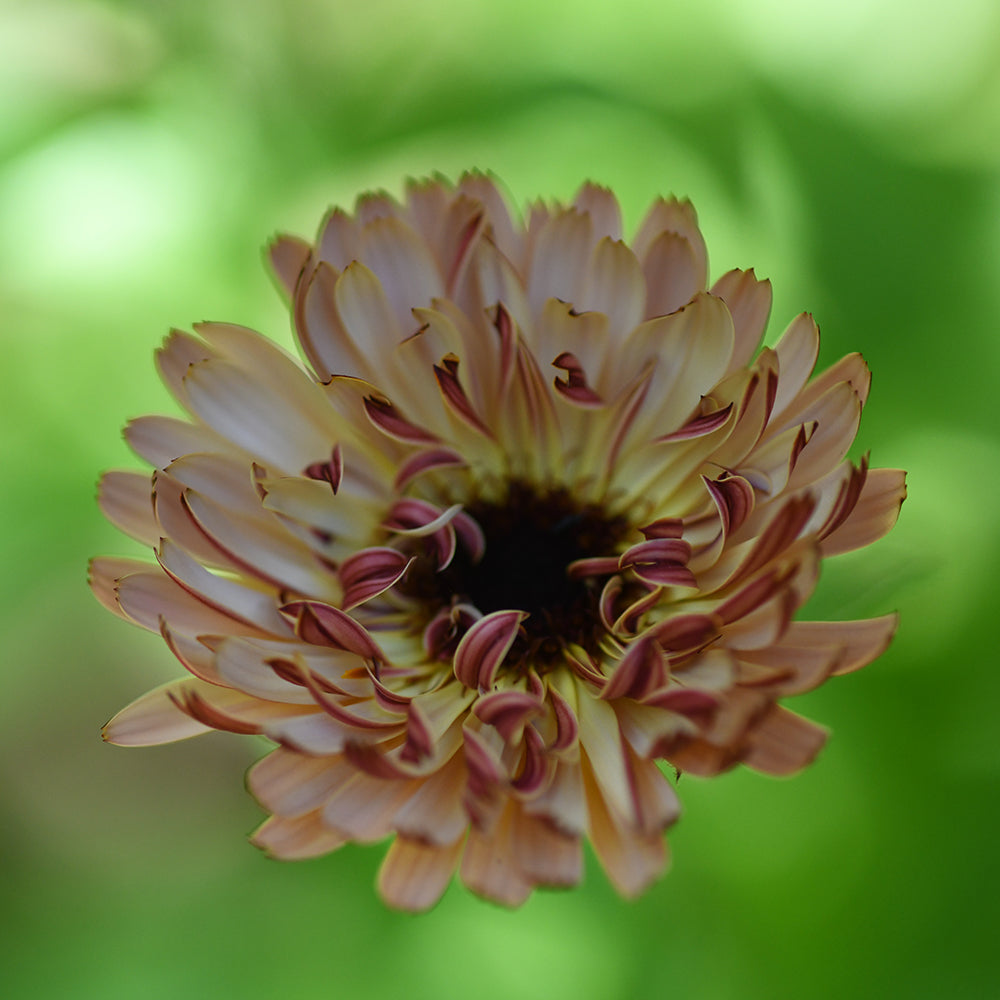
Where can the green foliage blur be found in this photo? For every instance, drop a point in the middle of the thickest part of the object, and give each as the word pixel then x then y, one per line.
pixel 848 150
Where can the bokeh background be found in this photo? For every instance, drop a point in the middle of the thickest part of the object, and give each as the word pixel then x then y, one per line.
pixel 847 149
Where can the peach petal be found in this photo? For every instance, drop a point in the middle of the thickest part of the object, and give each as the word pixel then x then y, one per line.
pixel 415 875
pixel 782 742
pixel 297 838
pixel 874 514
pixel 489 864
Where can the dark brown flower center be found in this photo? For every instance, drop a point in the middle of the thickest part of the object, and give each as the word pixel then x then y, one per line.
pixel 532 537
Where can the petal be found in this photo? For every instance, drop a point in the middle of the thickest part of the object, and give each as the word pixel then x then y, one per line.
pixel 296 839
pixel 749 303
pixel 415 875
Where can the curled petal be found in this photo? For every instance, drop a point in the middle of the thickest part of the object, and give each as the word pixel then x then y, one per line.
pixel 484 647
pixel 371 572
pixel 328 626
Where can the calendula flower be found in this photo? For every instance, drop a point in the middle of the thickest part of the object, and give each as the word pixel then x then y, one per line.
pixel 530 530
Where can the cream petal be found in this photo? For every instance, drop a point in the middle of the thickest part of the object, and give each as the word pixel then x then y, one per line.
pixel 103 575
pixel 414 875
pixel 244 664
pixel 339 236
pixel 286 433
pixel 265 551
pixel 797 351
pixel 151 596
pixel 153 719
pixel 559 259
pixel 498 281
pixel 691 349
pixel 162 440
pixel 369 318
pixel 837 414
pixel 673 216
pixel 125 499
pixel 178 524
pixel 672 274
pixel 233 598
pixel 749 302
pixel 602 206
pixel 613 284
pixel 601 742
pixel 405 269
pixel 288 256
pixel 328 346
pixel 180 351
pixel 485 189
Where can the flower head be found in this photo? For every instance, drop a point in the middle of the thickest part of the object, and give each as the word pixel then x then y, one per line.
pixel 535 521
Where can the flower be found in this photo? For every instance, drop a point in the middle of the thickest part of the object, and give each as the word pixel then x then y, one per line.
pixel 536 521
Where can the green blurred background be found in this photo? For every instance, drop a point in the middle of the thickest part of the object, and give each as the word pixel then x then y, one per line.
pixel 848 150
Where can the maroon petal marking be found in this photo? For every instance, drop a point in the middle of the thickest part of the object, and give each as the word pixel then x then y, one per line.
pixel 627 623
pixel 643 669
pixel 419 737
pixel 371 572
pixel 609 596
pixel 451 388
pixel 390 421
pixel 699 426
pixel 585 669
pixel 684 633
pixel 508 712
pixel 323 625
pixel 777 536
pixel 504 326
pixel 660 561
pixel 595 566
pixel 446 628
pixel 847 498
pixel 484 646
pixel 387 698
pixel 470 534
pixel 698 706
pixel 665 527
pixel 467 240
pixel 734 498
pixel 486 778
pixel 575 387
pixel 424 461
pixel 536 765
pixel 191 703
pixel 419 518
pixel 754 594
pixel 372 760
pixel 341 713
pixel 567 728
pixel 331 471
